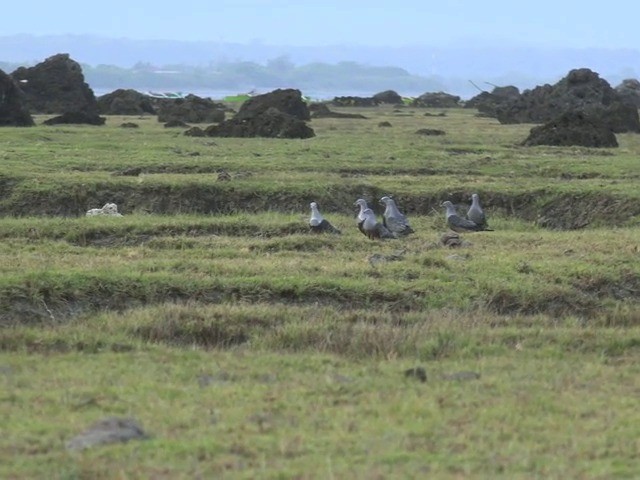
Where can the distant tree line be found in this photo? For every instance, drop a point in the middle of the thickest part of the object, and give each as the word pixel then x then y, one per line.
pixel 243 76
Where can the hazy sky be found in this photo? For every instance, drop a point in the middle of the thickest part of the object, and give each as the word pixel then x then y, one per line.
pixel 329 22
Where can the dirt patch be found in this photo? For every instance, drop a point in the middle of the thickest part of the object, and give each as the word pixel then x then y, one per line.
pixel 430 132
pixel 505 302
pixel 188 329
pixel 571 212
pixel 550 210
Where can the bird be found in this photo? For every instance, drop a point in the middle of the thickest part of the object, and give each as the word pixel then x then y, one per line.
pixel 108 209
pixel 395 221
pixel 362 203
pixel 475 212
pixel 318 224
pixel 374 229
pixel 458 223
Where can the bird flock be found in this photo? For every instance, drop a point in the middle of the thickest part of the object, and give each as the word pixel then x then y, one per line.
pixel 395 224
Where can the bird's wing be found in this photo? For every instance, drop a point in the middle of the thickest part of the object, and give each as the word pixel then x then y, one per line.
pixel 476 215
pixel 462 224
pixel 324 227
pixel 384 232
pixel 399 225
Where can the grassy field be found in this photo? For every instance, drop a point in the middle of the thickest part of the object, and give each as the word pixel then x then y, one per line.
pixel 247 347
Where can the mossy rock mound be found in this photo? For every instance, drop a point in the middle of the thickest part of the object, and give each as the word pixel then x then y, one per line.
pixel 437 100
pixel 191 109
pixel 272 124
pixel 388 96
pixel 56 86
pixel 288 100
pixel 125 102
pixel 13 106
pixel 581 90
pixel 571 129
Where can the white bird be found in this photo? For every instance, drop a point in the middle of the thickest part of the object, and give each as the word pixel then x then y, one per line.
pixel 362 203
pixel 318 224
pixel 395 221
pixel 475 212
pixel 107 209
pixel 374 229
pixel 458 223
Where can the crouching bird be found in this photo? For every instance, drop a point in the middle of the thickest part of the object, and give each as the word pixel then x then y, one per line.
pixel 318 224
pixel 460 224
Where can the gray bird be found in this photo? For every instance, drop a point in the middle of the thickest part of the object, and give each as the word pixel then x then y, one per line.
pixel 362 203
pixel 374 229
pixel 475 212
pixel 318 224
pixel 395 221
pixel 458 223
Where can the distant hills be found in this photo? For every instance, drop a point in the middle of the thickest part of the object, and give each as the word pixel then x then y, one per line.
pixel 110 63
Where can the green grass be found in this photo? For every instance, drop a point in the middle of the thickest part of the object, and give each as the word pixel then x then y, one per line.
pixel 244 414
pixel 249 348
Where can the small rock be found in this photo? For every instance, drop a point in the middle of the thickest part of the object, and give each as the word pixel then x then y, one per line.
pixel 223 176
pixel 417 373
pixel 460 376
pixel 430 132
pixel 108 430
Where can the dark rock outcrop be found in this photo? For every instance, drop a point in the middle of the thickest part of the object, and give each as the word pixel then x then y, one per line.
pixel 355 102
pixel 488 103
pixel 388 96
pixel 56 86
pixel 192 109
pixel 430 132
pixel 629 91
pixel 287 101
pixel 582 90
pixel 75 118
pixel 176 124
pixel 125 102
pixel 437 100
pixel 572 128
pixel 321 110
pixel 195 132
pixel 278 114
pixel 273 123
pixel 13 107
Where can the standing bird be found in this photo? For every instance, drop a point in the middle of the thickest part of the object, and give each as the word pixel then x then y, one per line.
pixel 362 203
pixel 457 223
pixel 395 221
pixel 374 229
pixel 318 224
pixel 475 212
